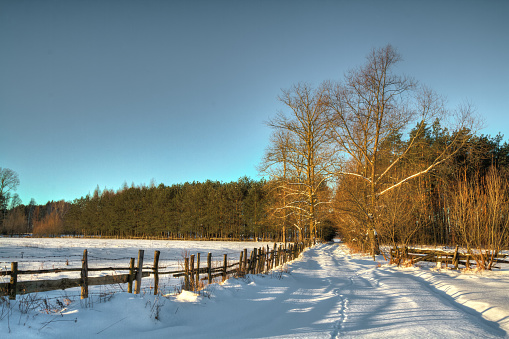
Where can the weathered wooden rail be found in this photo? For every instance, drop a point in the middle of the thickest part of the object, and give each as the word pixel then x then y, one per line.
pixel 456 258
pixel 260 260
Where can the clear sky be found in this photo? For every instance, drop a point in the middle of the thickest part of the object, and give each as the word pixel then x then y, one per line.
pixel 105 92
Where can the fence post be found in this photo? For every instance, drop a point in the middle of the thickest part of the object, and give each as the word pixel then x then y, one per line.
pixel 191 273
pixel 250 264
pixel 137 285
pixel 131 276
pixel 439 260
pixel 84 275
pixel 261 258
pixel 156 271
pixel 224 266
pixel 255 261
pixel 241 260
pixel 260 261
pixel 455 258
pixel 245 261
pixel 274 251
pixel 267 260
pixel 186 274
pixel 209 267
pixel 284 255
pixel 197 271
pixel 264 261
pixel 14 281
pixel 271 261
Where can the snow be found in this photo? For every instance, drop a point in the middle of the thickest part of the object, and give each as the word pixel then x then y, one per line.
pixel 327 292
pixel 54 253
pixel 486 292
pixel 187 296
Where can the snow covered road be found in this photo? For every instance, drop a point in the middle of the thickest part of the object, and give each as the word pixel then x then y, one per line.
pixel 330 294
pixel 326 293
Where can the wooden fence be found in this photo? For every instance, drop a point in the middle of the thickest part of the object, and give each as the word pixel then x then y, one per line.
pixel 455 258
pixel 260 260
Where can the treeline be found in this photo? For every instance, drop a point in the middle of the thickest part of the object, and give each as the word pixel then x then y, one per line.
pixel 191 210
pixel 208 210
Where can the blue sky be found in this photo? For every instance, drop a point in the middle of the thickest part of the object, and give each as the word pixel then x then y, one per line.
pixel 105 92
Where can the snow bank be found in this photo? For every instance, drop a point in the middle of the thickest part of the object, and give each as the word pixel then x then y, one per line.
pixel 487 292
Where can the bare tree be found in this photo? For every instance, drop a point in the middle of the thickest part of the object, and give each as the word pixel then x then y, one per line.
pixel 9 181
pixel 396 223
pixel 30 215
pixel 479 213
pixel 14 222
pixel 299 157
pixel 15 201
pixel 276 165
pixel 372 106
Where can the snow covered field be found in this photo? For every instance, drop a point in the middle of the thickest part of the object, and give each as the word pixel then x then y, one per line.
pixel 54 253
pixel 327 292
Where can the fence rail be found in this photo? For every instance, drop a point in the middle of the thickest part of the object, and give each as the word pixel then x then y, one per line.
pixel 260 260
pixel 456 258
